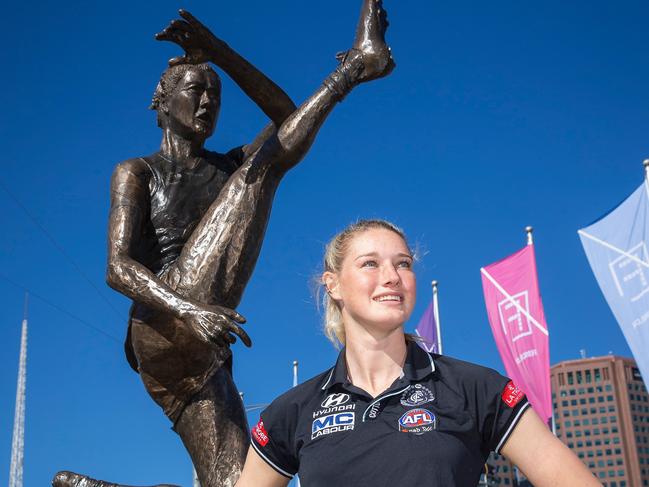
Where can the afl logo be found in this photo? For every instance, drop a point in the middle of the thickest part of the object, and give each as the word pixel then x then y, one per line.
pixel 335 400
pixel 417 421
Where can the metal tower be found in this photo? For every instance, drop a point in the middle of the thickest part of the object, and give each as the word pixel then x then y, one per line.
pixel 18 440
pixel 195 481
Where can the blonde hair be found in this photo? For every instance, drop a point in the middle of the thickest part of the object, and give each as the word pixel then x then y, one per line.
pixel 334 255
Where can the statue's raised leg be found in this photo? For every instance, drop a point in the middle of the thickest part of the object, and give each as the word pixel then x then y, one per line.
pixel 217 261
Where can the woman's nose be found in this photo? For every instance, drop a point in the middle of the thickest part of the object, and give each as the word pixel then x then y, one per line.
pixel 389 275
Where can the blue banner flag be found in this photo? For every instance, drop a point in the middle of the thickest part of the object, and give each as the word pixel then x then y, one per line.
pixel 617 248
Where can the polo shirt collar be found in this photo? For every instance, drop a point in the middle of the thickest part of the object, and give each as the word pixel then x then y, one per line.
pixel 419 364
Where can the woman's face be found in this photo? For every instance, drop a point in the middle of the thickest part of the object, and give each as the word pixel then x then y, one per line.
pixel 376 286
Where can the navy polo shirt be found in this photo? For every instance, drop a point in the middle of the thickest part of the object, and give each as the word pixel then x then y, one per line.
pixel 434 426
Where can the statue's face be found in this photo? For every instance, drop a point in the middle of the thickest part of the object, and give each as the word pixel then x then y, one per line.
pixel 193 108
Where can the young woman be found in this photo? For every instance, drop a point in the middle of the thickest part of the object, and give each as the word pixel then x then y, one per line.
pixel 389 413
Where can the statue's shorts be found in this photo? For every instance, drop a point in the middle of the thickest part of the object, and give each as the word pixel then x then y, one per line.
pixel 173 364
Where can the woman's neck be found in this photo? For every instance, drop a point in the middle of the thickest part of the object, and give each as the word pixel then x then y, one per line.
pixel 373 364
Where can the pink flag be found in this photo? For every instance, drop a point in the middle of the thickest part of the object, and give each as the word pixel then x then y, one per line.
pixel 511 293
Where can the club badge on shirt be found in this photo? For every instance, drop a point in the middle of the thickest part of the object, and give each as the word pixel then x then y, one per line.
pixel 512 395
pixel 416 395
pixel 417 421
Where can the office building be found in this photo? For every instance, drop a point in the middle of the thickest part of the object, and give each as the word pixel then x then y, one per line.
pixel 601 410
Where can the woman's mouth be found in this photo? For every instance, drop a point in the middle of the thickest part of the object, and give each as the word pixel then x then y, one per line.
pixel 385 298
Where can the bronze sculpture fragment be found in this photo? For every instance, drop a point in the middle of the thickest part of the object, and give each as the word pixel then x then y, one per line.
pixel 186 227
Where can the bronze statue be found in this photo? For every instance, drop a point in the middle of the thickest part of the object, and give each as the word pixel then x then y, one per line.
pixel 186 227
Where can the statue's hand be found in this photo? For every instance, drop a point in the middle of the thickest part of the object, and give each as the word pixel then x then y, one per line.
pixel 217 325
pixel 199 43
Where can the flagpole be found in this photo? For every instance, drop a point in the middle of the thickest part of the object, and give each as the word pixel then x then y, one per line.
pixel 436 314
pixel 530 241
pixel 297 478
pixel 528 231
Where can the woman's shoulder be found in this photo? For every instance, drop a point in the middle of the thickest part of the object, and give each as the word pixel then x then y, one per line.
pixel 302 393
pixel 456 370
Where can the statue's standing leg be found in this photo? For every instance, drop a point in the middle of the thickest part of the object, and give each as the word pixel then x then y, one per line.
pixel 214 430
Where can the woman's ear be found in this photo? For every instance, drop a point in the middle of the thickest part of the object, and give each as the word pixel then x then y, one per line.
pixel 330 282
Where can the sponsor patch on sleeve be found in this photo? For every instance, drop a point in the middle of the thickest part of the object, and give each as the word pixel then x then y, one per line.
pixel 259 433
pixel 512 395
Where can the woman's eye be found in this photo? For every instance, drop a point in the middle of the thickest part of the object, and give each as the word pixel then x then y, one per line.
pixel 405 264
pixel 369 263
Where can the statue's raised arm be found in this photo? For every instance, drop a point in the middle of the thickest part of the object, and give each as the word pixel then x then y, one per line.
pixel 201 45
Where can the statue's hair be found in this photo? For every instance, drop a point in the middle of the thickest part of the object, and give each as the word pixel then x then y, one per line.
pixel 335 253
pixel 169 80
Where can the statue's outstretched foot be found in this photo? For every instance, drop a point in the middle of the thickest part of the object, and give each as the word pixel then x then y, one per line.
pixel 369 58
pixel 71 479
pixel 370 42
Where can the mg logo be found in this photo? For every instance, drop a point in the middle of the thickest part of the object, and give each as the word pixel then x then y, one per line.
pixel 335 400
pixel 332 420
pixel 333 423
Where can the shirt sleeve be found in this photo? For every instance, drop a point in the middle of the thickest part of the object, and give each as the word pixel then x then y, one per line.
pixel 500 405
pixel 272 438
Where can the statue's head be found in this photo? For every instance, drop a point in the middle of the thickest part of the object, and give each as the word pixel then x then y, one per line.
pixel 188 100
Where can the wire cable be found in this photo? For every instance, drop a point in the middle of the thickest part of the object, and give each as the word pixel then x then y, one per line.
pixel 60 248
pixel 62 310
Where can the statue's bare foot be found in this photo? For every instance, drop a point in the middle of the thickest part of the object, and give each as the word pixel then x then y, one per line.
pixel 71 479
pixel 370 41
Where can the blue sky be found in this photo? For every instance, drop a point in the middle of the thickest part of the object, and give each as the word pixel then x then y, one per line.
pixel 498 115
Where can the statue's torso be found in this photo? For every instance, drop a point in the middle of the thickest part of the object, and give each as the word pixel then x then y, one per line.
pixel 178 199
pixel 173 363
